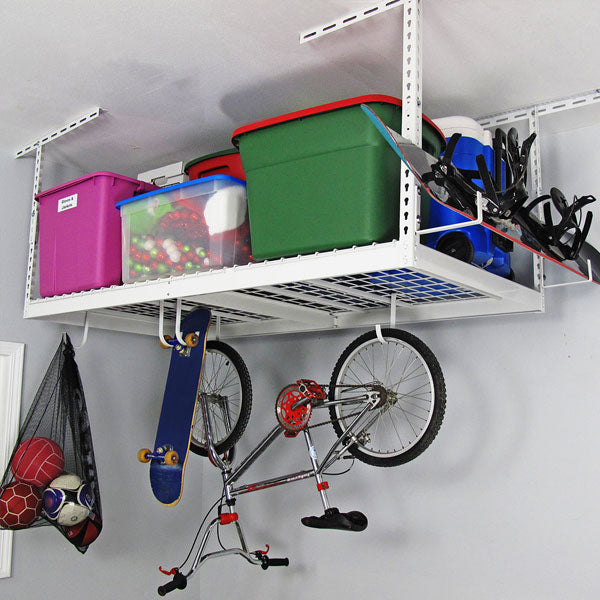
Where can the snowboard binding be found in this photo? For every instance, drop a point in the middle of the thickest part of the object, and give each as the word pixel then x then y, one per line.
pixel 562 240
pixel 505 197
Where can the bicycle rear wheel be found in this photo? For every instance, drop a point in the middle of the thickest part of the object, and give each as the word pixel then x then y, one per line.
pixel 228 390
pixel 413 401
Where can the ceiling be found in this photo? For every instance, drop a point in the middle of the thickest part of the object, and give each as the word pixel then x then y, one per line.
pixel 174 79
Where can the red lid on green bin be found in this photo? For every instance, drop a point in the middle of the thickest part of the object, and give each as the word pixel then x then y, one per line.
pixel 315 110
pixel 209 156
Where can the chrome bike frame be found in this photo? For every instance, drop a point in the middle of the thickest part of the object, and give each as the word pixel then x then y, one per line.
pixel 350 435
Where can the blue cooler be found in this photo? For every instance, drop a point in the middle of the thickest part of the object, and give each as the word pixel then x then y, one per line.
pixel 474 244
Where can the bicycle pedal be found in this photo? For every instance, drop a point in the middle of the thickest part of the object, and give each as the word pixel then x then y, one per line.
pixel 334 519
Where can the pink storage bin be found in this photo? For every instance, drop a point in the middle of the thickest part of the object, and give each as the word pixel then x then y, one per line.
pixel 80 232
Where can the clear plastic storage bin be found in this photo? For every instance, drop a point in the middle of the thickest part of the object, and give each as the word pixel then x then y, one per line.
pixel 185 228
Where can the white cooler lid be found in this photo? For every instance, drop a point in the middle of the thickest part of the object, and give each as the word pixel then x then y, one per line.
pixel 466 126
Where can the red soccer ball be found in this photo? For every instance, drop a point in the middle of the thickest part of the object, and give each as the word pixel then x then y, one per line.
pixel 38 460
pixel 86 532
pixel 20 505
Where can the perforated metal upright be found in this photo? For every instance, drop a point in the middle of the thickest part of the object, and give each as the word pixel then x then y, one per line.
pixel 37 147
pixel 412 115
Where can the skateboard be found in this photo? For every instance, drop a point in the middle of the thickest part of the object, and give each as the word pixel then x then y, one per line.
pixel 169 457
pixel 420 163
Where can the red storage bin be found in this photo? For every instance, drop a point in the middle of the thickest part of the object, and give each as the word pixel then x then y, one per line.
pixel 226 162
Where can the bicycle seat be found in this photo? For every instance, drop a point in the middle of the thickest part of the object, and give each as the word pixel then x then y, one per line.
pixel 334 519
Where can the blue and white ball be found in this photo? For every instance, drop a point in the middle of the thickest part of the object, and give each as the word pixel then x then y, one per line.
pixel 68 500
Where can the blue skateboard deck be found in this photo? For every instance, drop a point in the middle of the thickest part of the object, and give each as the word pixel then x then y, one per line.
pixel 178 409
pixel 419 162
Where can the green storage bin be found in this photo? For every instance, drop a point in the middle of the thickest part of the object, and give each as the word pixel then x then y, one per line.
pixel 324 178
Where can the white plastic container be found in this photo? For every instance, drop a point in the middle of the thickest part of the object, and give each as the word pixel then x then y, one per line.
pixel 465 126
pixel 185 228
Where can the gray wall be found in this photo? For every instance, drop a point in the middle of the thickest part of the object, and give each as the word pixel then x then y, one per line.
pixel 503 504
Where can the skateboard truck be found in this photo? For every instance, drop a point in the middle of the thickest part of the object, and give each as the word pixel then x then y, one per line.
pixel 163 454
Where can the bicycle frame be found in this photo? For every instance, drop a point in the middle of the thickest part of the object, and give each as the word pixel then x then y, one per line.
pixel 339 446
pixel 350 435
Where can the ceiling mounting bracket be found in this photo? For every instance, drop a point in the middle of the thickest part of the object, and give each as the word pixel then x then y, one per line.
pixel 542 109
pixel 373 9
pixel 53 135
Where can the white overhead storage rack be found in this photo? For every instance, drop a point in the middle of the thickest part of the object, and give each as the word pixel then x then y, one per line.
pixel 400 281
pixel 339 289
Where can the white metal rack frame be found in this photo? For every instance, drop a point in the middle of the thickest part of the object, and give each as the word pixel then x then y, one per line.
pixel 400 281
pixel 338 289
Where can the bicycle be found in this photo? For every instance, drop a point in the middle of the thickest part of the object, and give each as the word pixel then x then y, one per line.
pixel 386 401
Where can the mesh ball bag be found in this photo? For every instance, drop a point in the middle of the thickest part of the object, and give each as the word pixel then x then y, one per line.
pixel 51 477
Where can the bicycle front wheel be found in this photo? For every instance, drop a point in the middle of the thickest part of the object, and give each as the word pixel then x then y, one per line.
pixel 413 394
pixel 227 388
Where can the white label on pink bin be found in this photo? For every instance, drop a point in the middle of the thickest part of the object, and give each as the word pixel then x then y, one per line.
pixel 67 203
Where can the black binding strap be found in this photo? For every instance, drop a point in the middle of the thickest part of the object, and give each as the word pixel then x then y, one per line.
pixel 450 148
pixel 488 182
pixel 497 146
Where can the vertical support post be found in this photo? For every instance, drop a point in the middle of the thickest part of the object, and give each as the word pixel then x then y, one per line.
pixel 411 122
pixel 37 147
pixel 536 189
pixel 33 227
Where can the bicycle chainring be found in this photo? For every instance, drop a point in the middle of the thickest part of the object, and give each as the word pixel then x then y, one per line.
pixel 292 419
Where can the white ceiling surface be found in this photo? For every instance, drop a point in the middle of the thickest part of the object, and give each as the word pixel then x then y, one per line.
pixel 176 78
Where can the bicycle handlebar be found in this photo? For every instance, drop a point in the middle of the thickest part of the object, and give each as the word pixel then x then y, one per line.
pixel 179 582
pixel 273 562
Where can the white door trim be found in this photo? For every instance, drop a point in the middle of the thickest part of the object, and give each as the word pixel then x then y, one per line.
pixel 11 379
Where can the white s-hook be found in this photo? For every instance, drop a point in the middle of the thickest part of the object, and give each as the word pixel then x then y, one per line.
pixel 86 326
pixel 161 323
pixel 392 320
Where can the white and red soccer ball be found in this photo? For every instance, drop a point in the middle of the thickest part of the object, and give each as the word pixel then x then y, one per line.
pixel 68 500
pixel 38 461
pixel 20 505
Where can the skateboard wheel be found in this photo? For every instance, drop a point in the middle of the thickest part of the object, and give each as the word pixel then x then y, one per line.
pixel 165 346
pixel 191 339
pixel 171 457
pixel 143 455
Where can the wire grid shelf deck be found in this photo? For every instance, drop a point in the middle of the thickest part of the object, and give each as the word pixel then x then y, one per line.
pixel 149 309
pixel 347 293
pixel 365 291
